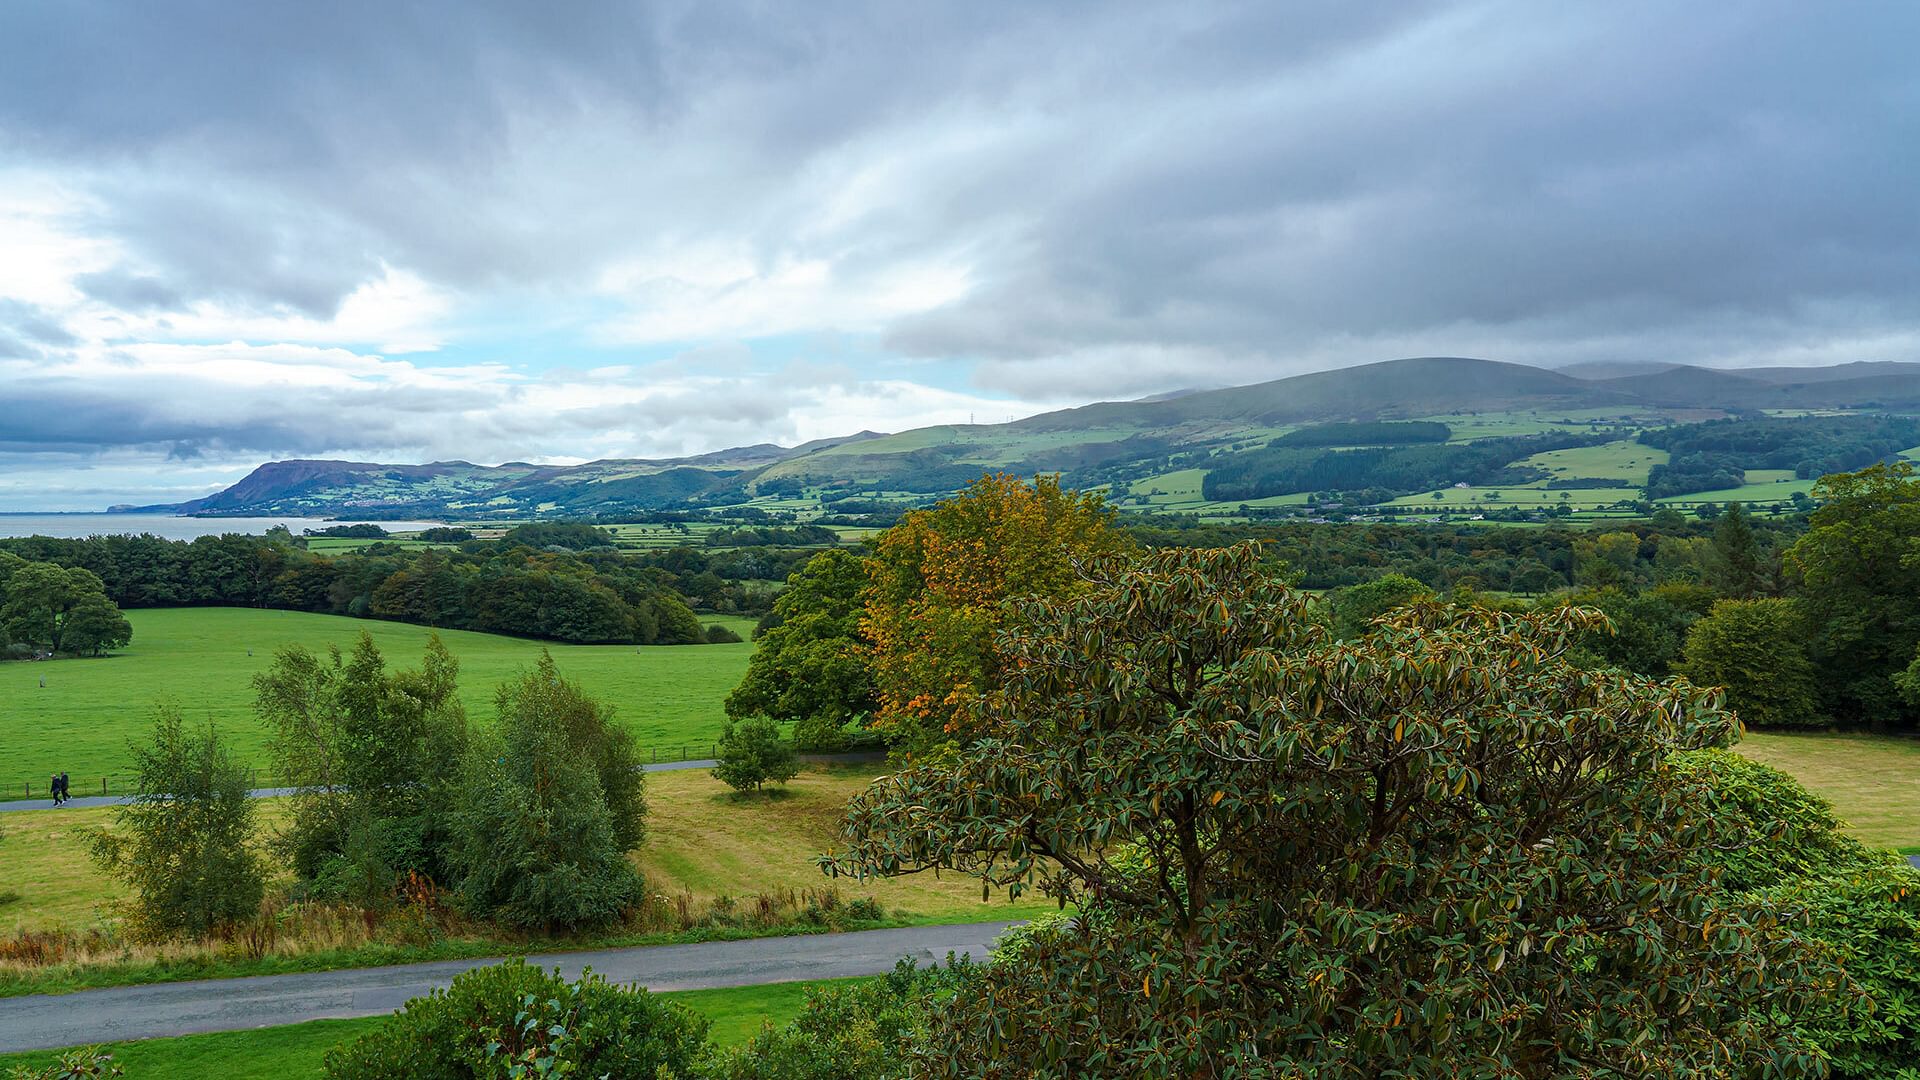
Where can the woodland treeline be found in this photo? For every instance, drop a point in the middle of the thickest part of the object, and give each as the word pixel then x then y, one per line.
pixel 1812 623
pixel 1284 468
pixel 1715 454
pixel 509 586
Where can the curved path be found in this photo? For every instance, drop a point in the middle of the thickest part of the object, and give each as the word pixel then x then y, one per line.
pixel 83 802
pixel 144 1012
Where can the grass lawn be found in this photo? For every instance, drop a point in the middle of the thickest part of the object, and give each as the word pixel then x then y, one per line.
pixel 81 719
pixel 294 1052
pixel 704 839
pixel 1872 780
pixel 701 838
pixel 47 868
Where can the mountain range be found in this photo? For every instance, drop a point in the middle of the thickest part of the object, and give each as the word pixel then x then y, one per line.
pixel 1101 442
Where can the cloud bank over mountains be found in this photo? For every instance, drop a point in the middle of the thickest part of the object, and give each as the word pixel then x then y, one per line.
pixel 495 231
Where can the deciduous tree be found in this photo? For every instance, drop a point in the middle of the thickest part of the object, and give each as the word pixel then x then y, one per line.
pixel 186 842
pixel 1440 850
pixel 64 609
pixel 1756 650
pixel 812 667
pixel 1858 570
pixel 374 757
pixel 938 580
pixel 752 754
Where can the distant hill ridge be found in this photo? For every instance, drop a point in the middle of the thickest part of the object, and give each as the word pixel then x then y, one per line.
pixel 930 460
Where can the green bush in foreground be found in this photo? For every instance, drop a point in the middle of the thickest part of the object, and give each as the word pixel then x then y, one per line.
pixel 1786 854
pixel 862 1032
pixel 73 1065
pixel 1439 850
pixel 512 1021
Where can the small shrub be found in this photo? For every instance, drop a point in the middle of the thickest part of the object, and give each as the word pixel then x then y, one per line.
pixel 752 753
pixel 862 1032
pixel 512 1020
pixel 73 1065
pixel 1786 831
pixel 865 909
pixel 720 635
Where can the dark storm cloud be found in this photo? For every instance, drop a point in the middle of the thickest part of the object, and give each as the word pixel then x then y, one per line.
pixel 1141 196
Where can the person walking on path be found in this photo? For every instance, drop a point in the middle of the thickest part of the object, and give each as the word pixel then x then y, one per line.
pixel 53 788
pixel 66 789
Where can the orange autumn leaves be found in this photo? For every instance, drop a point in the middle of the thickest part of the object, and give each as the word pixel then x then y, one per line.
pixel 937 580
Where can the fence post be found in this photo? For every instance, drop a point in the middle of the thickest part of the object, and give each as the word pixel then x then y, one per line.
pixel 103 787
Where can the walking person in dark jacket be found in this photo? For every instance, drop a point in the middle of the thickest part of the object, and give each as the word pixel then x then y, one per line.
pixel 66 789
pixel 53 788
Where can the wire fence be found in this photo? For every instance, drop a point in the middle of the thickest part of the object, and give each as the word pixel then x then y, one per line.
pixel 107 786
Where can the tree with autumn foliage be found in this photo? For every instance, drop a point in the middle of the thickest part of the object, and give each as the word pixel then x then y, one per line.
pixel 939 581
pixel 1440 849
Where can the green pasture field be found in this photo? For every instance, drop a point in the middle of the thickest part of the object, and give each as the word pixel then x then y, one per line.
pixel 295 1052
pixel 1762 486
pixel 1177 490
pixel 1500 423
pixel 334 545
pixel 704 839
pixel 1872 780
pixel 661 536
pixel 1455 500
pixel 198 658
pixel 1623 459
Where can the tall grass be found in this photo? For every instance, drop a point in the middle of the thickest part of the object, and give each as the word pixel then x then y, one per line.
pixel 294 935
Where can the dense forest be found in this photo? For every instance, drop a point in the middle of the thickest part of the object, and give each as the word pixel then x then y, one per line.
pixel 1281 469
pixel 1714 455
pixel 1445 557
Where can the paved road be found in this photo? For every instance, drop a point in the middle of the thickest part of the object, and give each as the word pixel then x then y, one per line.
pixel 144 1012
pixel 82 802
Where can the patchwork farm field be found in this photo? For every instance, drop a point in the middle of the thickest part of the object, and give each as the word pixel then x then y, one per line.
pixel 203 660
pixel 1762 486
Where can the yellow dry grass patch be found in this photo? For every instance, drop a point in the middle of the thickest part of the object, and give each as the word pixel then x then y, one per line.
pixel 1872 780
pixel 704 839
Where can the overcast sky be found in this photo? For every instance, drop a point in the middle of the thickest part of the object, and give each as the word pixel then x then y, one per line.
pixel 493 231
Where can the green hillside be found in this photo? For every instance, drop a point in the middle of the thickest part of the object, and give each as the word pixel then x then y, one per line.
pixel 1146 453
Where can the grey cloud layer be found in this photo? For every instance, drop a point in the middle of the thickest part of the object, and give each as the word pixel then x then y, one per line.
pixel 1141 196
